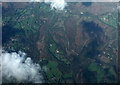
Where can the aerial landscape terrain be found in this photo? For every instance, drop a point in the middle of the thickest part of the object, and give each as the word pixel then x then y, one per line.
pixel 75 45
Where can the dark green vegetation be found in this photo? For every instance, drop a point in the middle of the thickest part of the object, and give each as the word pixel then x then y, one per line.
pixel 74 45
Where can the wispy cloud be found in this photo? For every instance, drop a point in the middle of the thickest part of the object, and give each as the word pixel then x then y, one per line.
pixel 17 66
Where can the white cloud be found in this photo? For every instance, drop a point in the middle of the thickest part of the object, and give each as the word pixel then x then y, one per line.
pixel 23 70
pixel 54 4
pixel 36 0
pixel 57 4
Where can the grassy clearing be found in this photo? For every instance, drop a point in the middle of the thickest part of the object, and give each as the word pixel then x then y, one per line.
pixel 109 19
pixel 58 54
pixel 112 72
pixel 100 73
pixel 68 75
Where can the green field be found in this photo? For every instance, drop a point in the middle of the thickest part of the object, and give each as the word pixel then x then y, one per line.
pixel 53 73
